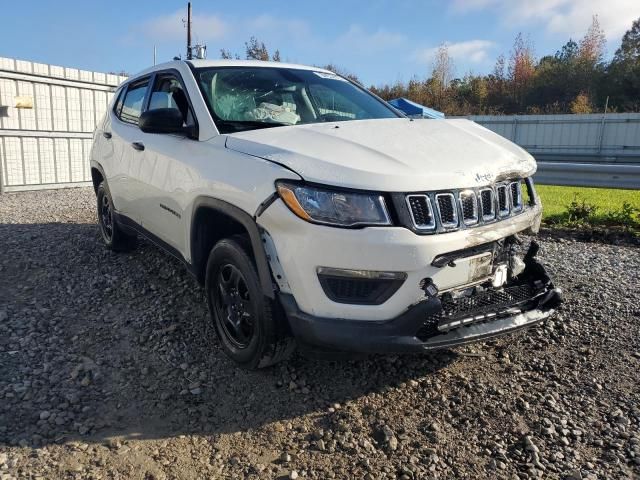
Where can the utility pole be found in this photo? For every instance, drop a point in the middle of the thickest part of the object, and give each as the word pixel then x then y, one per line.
pixel 189 31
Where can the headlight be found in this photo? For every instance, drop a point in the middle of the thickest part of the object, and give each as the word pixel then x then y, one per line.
pixel 334 207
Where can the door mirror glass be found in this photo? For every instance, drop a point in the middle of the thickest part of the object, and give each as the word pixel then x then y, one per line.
pixel 163 120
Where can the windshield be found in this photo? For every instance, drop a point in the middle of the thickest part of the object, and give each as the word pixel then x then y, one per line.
pixel 246 98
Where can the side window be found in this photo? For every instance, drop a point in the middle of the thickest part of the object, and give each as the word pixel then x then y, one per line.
pixel 117 107
pixel 168 93
pixel 132 103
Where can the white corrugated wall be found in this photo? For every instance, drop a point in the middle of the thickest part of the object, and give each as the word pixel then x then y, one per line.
pixel 47 146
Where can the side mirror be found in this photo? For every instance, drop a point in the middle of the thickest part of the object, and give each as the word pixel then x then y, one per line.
pixel 163 120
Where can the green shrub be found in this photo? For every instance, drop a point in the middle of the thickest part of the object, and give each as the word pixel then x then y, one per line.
pixel 580 211
pixel 627 216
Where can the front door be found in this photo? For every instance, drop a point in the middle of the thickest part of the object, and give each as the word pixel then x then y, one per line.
pixel 162 171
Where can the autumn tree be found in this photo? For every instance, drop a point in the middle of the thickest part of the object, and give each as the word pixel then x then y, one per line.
pixel 581 104
pixel 521 68
pixel 226 55
pixel 441 75
pixel 256 50
pixel 342 72
pixel 496 82
pixel 592 45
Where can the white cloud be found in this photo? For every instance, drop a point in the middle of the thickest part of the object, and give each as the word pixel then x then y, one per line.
pixel 171 27
pixel 359 40
pixel 566 17
pixel 473 51
pixel 292 28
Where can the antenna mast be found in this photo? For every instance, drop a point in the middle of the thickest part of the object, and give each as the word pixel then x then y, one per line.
pixel 189 31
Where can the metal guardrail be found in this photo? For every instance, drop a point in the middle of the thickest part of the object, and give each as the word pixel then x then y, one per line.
pixel 588 169
pixel 588 174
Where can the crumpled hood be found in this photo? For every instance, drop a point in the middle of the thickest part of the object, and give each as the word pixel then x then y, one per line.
pixel 393 155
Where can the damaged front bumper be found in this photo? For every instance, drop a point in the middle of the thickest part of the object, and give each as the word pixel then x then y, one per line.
pixel 437 322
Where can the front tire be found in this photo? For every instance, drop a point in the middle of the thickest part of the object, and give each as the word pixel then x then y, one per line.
pixel 250 326
pixel 114 237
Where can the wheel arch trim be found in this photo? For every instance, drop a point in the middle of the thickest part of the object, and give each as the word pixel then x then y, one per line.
pixel 249 224
pixel 96 166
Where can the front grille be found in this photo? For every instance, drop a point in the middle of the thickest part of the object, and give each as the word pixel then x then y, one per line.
pixel 503 200
pixel 447 209
pixel 469 207
pixel 488 205
pixel 477 307
pixel 432 212
pixel 421 211
pixel 516 196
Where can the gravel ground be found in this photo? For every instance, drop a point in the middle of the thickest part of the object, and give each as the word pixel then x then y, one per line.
pixel 105 373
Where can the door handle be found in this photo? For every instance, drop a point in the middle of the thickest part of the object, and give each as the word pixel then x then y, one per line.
pixel 138 145
pixel 106 135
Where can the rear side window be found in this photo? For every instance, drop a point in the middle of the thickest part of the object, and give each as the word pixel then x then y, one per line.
pixel 117 108
pixel 132 103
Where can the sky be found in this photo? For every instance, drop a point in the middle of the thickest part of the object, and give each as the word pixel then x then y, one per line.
pixel 382 41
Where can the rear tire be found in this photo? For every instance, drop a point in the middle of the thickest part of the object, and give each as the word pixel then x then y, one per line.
pixel 114 237
pixel 250 326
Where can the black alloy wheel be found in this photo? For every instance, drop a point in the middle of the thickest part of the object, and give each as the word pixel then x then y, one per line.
pixel 106 218
pixel 234 306
pixel 115 238
pixel 251 327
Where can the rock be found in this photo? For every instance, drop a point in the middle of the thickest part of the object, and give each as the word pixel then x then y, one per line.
pixel 393 443
pixel 293 475
pixel 44 415
pixel 285 457
pixel 574 475
pixel 529 445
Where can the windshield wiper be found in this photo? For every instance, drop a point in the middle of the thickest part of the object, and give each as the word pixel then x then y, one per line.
pixel 240 125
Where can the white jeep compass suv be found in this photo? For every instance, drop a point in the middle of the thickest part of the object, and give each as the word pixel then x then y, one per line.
pixel 317 215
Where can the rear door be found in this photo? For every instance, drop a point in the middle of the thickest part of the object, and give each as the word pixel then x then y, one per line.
pixel 128 154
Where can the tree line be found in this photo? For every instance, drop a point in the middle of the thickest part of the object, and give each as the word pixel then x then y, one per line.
pixel 576 79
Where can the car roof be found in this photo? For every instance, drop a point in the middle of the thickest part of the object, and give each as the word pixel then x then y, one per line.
pixel 226 63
